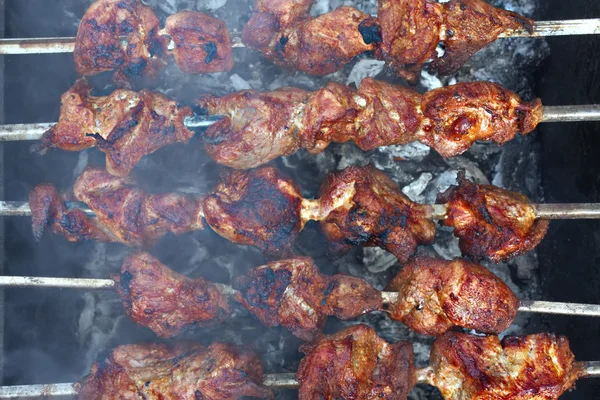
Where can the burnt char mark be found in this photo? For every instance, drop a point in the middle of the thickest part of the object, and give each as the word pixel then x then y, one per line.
pixel 121 129
pixel 211 51
pixel 135 69
pixel 125 281
pixel 486 215
pixel 371 33
pixel 72 224
pixel 280 45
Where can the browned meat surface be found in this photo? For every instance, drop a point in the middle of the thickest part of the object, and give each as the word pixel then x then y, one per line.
pixel 518 368
pixel 48 209
pixel 286 34
pixel 186 371
pixel 412 29
pixel 375 213
pixel 410 33
pixel 124 213
pixel 491 223
pixel 356 364
pixel 259 208
pixel 437 295
pixel 125 125
pixel 294 294
pixel 202 42
pixel 158 298
pixel 259 127
pixel 470 25
pixel 119 35
pixel 456 116
pixel 405 34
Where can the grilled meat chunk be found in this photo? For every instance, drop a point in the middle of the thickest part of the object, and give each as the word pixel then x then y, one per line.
pixel 376 213
pixel 472 367
pixel 48 208
pixel 356 364
pixel 437 295
pixel 185 371
pixel 124 214
pixel 125 125
pixel 491 223
pixel 294 294
pixel 202 42
pixel 410 33
pixel 119 35
pixel 470 25
pixel 287 35
pixel 412 29
pixel 259 127
pixel 158 298
pixel 457 116
pixel 260 208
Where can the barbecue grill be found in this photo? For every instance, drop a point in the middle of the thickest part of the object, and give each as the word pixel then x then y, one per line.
pixel 51 336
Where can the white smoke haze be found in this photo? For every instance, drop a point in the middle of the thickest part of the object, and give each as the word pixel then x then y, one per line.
pixel 96 317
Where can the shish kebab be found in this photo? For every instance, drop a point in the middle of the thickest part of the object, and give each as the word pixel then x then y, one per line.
pixel 352 364
pixel 125 36
pixel 431 296
pixel 248 128
pixel 357 206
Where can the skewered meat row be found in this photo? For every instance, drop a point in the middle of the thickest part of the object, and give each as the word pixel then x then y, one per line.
pixel 434 296
pixel 358 206
pixel 405 34
pixel 353 364
pixel 258 127
pixel 261 126
pixel 125 36
pixel 184 371
pixel 357 364
pixel 125 125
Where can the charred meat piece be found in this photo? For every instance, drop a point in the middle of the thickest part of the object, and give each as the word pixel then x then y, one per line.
pixel 119 35
pixel 202 43
pixel 470 25
pixel 158 298
pixel 259 208
pixel 473 367
pixel 410 33
pixel 185 371
pixel 125 125
pixel 294 294
pixel 437 295
pixel 124 213
pixel 491 223
pixel 456 116
pixel 356 364
pixel 412 29
pixel 375 213
pixel 286 34
pixel 259 127
pixel 48 209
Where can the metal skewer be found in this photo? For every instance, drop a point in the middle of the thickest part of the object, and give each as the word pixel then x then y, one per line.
pixel 533 306
pixel 437 211
pixel 49 45
pixel 277 381
pixel 16 132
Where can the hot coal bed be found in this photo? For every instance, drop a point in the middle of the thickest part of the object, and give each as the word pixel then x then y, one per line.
pixel 53 335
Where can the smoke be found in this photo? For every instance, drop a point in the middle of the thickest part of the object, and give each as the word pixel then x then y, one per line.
pixel 54 335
